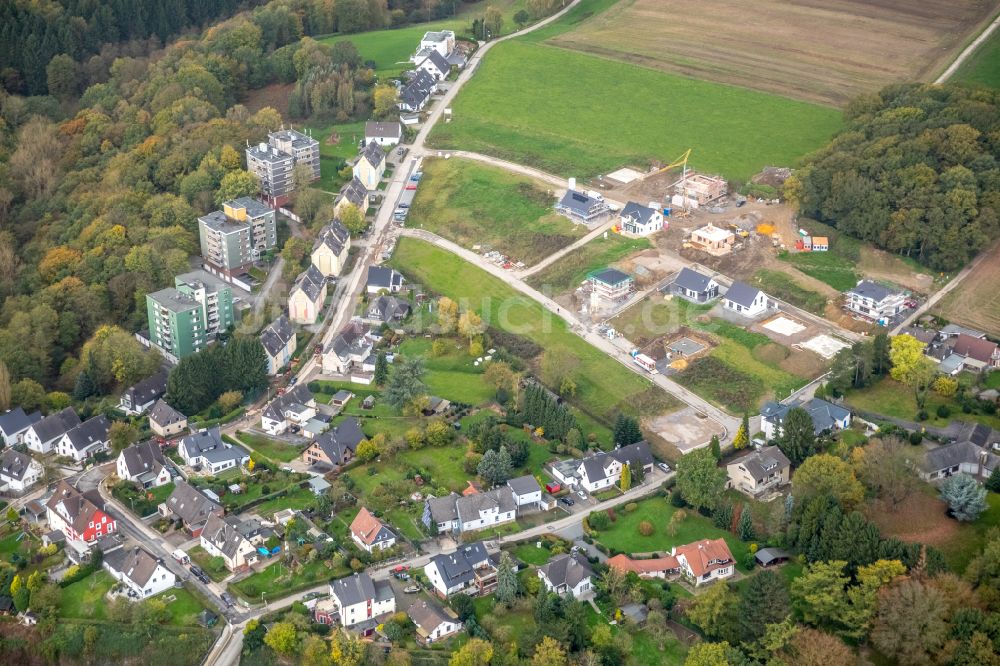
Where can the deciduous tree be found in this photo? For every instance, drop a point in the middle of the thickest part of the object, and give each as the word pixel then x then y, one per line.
pixel 910 366
pixel 549 653
pixel 910 624
pixel 476 652
pixel 236 184
pixel 447 315
pixel 824 474
pixel 886 467
pixel 700 480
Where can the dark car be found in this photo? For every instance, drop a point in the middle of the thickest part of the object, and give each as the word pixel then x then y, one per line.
pixel 568 501
pixel 228 599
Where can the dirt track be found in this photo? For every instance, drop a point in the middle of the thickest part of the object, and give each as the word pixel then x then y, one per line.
pixel 976 302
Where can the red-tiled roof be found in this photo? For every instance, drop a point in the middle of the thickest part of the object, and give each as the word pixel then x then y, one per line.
pixel 626 563
pixel 366 526
pixel 705 555
pixel 978 348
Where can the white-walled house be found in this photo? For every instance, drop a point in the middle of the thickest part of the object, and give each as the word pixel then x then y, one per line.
pixel 143 464
pixel 207 449
pixel 705 561
pixel 220 539
pixel 359 599
pixel 433 623
pixel 141 573
pixel 86 439
pixel 826 416
pixel 526 490
pixel 18 471
pixel 638 220
pixel 746 300
pixel 468 513
pixel 14 423
pixel 370 533
pixel 137 399
pixel 295 407
pixel 874 300
pixel 603 470
pixel 384 134
pixel 567 574
pixel 469 569
pixel 278 340
pixel 42 436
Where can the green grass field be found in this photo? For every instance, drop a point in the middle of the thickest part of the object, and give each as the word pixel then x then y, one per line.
pixel 270 448
pixel 85 598
pixel 603 385
pixel 474 204
pixel 452 375
pixel 983 67
pixel 890 398
pixel 277 580
pixel 567 273
pixel 783 286
pixel 829 267
pixel 201 557
pixel 575 114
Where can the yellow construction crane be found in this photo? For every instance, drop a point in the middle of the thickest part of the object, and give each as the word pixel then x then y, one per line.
pixel 681 161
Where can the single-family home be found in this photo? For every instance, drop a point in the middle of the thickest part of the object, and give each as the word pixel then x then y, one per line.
pixel 526 491
pixel 370 533
pixel 18 471
pixel 207 449
pixel 141 573
pixel 137 399
pixel 387 310
pixel 14 423
pixel 348 349
pixel 353 193
pixel 745 300
pixel 384 134
pixel 358 599
pixel 166 421
pixel 469 569
pixel 219 538
pixel 433 622
pixel 610 284
pixel 307 296
pixel 954 330
pixel 971 453
pixel 191 507
pixel 604 469
pixel 979 353
pixel 293 408
pixel 693 190
pixel 79 516
pixel 382 278
pixel 442 41
pixel 760 471
pixel 143 463
pixel 713 240
pixel 476 511
pixel 638 220
pixel 335 447
pixel 329 254
pixel 436 65
pixel 657 567
pixel 278 340
pixel 694 286
pixel 705 561
pixel 567 574
pixel 874 301
pixel 86 439
pixel 370 167
pixel 43 435
pixel 582 206
pixel 826 416
pixel 417 91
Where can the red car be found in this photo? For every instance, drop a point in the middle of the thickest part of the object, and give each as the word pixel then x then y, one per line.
pixel 411 186
pixel 401 567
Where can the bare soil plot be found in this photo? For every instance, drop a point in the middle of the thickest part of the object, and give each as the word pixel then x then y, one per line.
pixel 921 518
pixel 975 302
pixel 825 52
pixel 685 429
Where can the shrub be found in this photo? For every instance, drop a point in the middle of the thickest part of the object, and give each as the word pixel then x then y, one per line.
pixel 677 499
pixel 916 437
pixel 922 415
pixel 943 411
pixel 599 520
pixel 646 528
pixel 630 507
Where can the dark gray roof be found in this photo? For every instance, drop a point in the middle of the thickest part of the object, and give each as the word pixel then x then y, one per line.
pixel 443 509
pixel 459 567
pixel 523 485
pixel 334 235
pixel 388 308
pixel 469 506
pixel 92 431
pixel 311 282
pixel 354 191
pixel 611 276
pixel 142 457
pixel 925 335
pixel 767 555
pixel 136 564
pixel 276 335
pixel 56 425
pixel 415 93
pixel 16 420
pixel 636 455
pixel 163 414
pixel 148 389
pixel 764 462
pixel 428 615
pixel 297 395
pixel 202 441
pixel 189 504
pixel 439 61
pixel 742 294
pixel 824 414
pixel 578 202
pixel 692 280
pixel 341 439
pixel 353 589
pixel 979 434
pixel 222 535
pixel 14 464
pixel 374 154
pixel 567 570
pixel 959 453
pixel 872 290
pixel 383 130
pixel 350 339
pixel 638 213
pixel 383 277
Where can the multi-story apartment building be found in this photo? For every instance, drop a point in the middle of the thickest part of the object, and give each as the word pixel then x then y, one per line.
pixel 187 317
pixel 234 237
pixel 303 148
pixel 273 168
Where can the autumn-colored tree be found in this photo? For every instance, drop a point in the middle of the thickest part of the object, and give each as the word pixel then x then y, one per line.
pixel 886 468
pixel 911 625
pixel 4 387
pixel 353 219
pixel 447 315
pixel 236 184
pixel 824 474
pixel 283 638
pixel 476 652
pixel 229 401
pixel 910 366
pixel 500 376
pixel 549 653
pixel 946 387
pixel 470 325
pixel 58 262
pixel 347 650
pixel 708 654
pixel 385 98
pixel 121 434
pixel 811 647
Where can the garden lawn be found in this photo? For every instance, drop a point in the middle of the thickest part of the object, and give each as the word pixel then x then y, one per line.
pixel 890 398
pixel 525 105
pixel 531 554
pixel 971 538
pixel 829 267
pixel 184 608
pixel 983 67
pixel 568 272
pixel 298 499
pixel 85 598
pixel 333 156
pixel 270 448
pixel 201 557
pixel 603 385
pixel 623 535
pixel 452 375
pixel 277 580
pixel 783 286
pixel 475 204
pixel 521 624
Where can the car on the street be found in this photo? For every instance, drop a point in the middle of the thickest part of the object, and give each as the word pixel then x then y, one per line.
pixel 411 589
pixel 401 567
pixel 411 186
pixel 664 466
pixel 582 494
pixel 404 205
pixel 228 599
pixel 402 575
pixel 312 595
pixel 196 570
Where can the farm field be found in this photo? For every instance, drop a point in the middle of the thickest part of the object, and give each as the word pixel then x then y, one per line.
pixel 598 377
pixel 474 204
pixel 525 105
pixel 826 53
pixel 983 66
pixel 976 301
pixel 567 273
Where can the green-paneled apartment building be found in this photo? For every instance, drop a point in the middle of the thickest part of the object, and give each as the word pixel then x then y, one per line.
pixel 186 318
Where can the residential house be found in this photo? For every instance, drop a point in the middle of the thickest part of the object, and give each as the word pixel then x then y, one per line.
pixel 567 574
pixel 526 491
pixel 358 600
pixel 387 310
pixel 638 220
pixel 582 206
pixel 79 516
pixel 86 439
pixel 657 567
pixel 436 65
pixel 610 284
pixel 442 512
pixel 43 435
pixel 143 463
pixel 335 447
pixel 207 449
pixel 971 453
pixel 293 408
pixel 414 95
pixel 383 134
pixel 476 511
pixel 236 236
pixel 759 471
pixel 826 416
pixel 746 300
pixel 370 533
pixel 137 399
pixel 979 353
pixel 441 41
pixel 353 193
pixel 469 569
pixel 348 349
pixel 696 189
pixel 954 330
pixel 695 287
pixel 382 278
pixel 705 561
pixel 221 539
pixel 191 507
pixel 603 470
pixel 331 248
pixel 278 340
pixel 370 167
pixel 713 240
pixel 307 296
pixel 874 300
pixel 18 471
pixel 15 423
pixel 166 421
pixel 433 622
pixel 142 574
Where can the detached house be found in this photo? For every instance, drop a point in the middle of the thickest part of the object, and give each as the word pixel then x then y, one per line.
pixel 381 278
pixel 42 436
pixel 603 470
pixel 278 340
pixel 526 491
pixel 329 254
pixel 348 350
pixel 567 574
pixel 436 65
pixel 137 399
pixel 370 533
pixel 826 416
pixel 14 423
pixel 166 421
pixel 581 207
pixel 79 516
pixel 335 447
pixel 142 574
pixel 759 471
pixel 370 166
pixel 659 567
pixel 705 561
pixel 86 439
pixel 358 600
pixel 353 193
pixel 469 569
pixel 638 220
pixel 415 94
pixel 971 453
pixel 464 513
pixel 307 296
pixel 143 464
pixel 874 300
pixel 18 471
pixel 745 300
pixel 207 449
pixel 387 310
pixel 979 353
pixel 189 506
pixel 695 287
pixel 433 623
pixel 384 134
pixel 294 408
pixel 220 539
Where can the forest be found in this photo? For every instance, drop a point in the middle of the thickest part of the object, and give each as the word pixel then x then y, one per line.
pixel 914 171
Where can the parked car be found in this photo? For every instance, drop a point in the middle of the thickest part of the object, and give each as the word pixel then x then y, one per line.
pixel 568 501
pixel 582 494
pixel 228 599
pixel 401 567
pixel 404 206
pixel 664 466
pixel 411 589
pixel 411 186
